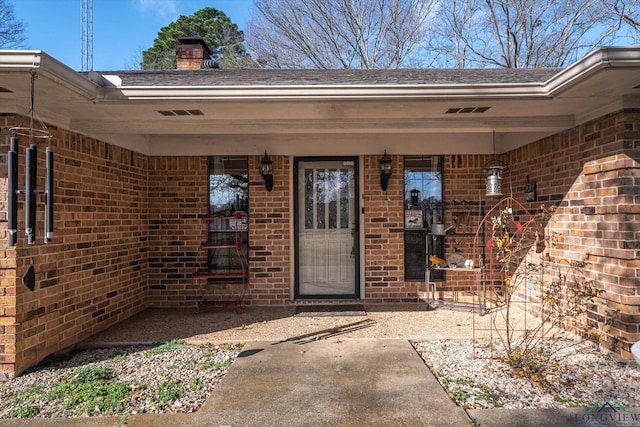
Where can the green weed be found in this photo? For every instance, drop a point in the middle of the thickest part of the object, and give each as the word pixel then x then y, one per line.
pixel 570 400
pixel 461 389
pixel 167 392
pixel 31 392
pixel 24 412
pixel 212 364
pixel 164 347
pixel 90 391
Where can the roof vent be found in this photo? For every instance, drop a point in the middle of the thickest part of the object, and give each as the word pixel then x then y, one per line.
pixel 209 63
pixel 466 110
pixel 181 112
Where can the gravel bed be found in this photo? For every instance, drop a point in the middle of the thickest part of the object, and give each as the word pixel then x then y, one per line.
pixel 171 377
pixel 578 375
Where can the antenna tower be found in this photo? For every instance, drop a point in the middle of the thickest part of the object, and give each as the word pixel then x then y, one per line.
pixel 86 24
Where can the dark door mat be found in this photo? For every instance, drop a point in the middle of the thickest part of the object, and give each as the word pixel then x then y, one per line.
pixel 330 310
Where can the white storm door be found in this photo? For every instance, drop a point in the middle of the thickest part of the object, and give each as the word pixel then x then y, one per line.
pixel 327 229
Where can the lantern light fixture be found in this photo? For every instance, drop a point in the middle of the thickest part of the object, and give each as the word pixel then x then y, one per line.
pixel 494 170
pixel 415 196
pixel 266 170
pixel 385 171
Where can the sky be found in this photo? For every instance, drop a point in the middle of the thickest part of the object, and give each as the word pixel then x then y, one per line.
pixel 122 29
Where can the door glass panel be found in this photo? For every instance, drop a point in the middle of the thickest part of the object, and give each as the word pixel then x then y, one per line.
pixel 320 198
pixel 308 198
pixel 333 199
pixel 344 198
pixel 328 232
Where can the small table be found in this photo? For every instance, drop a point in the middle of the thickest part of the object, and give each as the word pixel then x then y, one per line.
pixel 432 304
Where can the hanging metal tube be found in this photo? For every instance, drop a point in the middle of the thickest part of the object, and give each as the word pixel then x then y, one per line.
pixel 48 209
pixel 31 175
pixel 12 191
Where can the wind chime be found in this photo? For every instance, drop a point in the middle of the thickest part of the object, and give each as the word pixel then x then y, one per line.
pixel 30 190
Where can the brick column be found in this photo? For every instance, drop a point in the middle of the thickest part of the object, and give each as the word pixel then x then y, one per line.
pixel 7 277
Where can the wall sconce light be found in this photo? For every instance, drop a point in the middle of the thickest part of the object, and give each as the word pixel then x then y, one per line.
pixel 385 171
pixel 494 170
pixel 266 170
pixel 530 191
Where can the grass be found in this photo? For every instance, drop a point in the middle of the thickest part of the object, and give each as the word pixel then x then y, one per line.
pixel 84 391
pixel 90 391
pixel 167 392
pixel 95 389
pixel 560 399
pixel 25 412
pixel 462 389
pixel 164 347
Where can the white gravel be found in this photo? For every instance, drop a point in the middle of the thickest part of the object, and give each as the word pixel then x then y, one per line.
pixel 579 375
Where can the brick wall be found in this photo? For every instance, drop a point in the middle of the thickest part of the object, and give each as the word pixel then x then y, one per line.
pixel 128 229
pixel 178 198
pixel 94 272
pixel 465 205
pixel 384 235
pixel 593 174
pixel 8 325
pixel 270 234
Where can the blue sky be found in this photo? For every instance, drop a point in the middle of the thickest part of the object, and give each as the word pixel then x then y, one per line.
pixel 122 29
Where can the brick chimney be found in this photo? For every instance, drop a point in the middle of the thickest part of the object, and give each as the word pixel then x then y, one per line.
pixel 191 52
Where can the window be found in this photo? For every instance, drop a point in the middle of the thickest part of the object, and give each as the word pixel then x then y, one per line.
pixel 229 208
pixel 423 206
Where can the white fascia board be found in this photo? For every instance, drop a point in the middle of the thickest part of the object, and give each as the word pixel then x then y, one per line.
pixel 20 60
pixel 333 92
pixel 599 59
pixel 607 57
pixel 44 65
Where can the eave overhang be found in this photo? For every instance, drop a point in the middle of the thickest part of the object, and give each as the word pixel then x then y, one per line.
pixel 248 117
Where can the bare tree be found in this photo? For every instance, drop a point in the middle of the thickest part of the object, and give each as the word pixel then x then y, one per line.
pixel 452 36
pixel 11 29
pixel 626 17
pixel 521 33
pixel 331 34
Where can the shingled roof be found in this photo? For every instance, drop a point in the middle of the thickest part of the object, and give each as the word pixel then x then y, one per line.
pixel 308 77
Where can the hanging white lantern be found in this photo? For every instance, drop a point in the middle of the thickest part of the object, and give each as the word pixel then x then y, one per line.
pixel 494 170
pixel 494 178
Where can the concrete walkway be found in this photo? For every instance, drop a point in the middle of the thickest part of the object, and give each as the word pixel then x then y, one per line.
pixel 355 382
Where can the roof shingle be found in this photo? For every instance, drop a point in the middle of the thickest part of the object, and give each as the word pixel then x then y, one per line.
pixel 308 77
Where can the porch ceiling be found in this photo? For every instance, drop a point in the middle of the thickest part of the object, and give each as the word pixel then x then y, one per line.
pixel 319 118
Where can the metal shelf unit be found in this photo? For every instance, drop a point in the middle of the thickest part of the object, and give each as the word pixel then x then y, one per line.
pixel 225 237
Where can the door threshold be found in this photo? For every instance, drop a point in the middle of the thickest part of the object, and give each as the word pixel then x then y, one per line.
pixel 324 310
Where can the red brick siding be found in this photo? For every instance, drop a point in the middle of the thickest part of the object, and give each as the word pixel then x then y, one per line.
pixel 94 272
pixel 178 198
pixel 465 199
pixel 270 243
pixel 128 230
pixel 384 234
pixel 593 174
